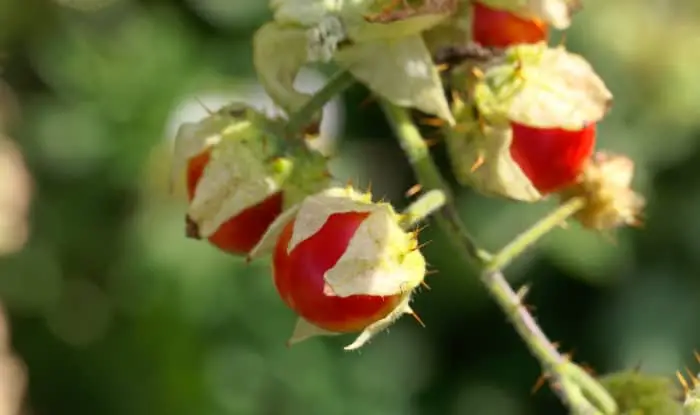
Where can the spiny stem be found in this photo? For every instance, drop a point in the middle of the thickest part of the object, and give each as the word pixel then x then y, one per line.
pixel 430 178
pixel 337 84
pixel 572 385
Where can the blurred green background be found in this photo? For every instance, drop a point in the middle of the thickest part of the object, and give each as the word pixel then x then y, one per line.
pixel 114 311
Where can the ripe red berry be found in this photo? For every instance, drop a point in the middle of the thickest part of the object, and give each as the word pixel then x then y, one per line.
pixel 299 277
pixel 552 158
pixel 501 28
pixel 242 232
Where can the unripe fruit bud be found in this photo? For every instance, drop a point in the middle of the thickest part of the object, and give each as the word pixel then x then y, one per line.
pixel 238 178
pixel 344 264
pixel 605 185
pixel 640 393
pixel 499 28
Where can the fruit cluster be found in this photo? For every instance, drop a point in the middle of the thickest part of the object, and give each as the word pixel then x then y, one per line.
pixel 519 122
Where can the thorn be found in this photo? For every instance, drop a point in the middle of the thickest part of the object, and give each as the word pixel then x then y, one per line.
pixel 431 272
pixel 556 345
pixel 349 183
pixel 442 67
pixel 431 142
pixel 433 121
pixel 478 73
pixel 423 245
pixel 588 369
pixel 697 355
pixel 415 316
pixel 692 377
pixel 199 101
pixel 564 225
pixel 420 229
pixel 413 190
pixel 522 292
pixel 683 382
pixel 539 383
pixel 638 367
pixel 369 187
pixel 461 128
pixel 367 101
pixel 530 308
pixel 425 285
pixel 480 159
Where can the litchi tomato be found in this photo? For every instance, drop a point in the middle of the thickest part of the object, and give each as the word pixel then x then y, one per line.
pixel 501 28
pixel 552 158
pixel 242 232
pixel 299 277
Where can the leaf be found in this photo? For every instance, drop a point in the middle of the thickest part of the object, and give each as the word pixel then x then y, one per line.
pixel 542 87
pixel 556 13
pixel 279 52
pixel 399 70
pixel 480 156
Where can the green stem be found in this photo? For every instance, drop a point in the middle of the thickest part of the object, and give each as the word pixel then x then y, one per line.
pixel 572 386
pixel 430 178
pixel 337 84
pixel 426 205
pixel 528 238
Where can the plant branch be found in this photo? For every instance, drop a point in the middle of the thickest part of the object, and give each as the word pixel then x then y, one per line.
pixel 570 382
pixel 430 178
pixel 528 238
pixel 337 84
pixel 426 205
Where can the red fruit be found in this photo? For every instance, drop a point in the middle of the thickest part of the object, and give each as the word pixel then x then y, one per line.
pixel 552 158
pixel 299 278
pixel 500 28
pixel 242 232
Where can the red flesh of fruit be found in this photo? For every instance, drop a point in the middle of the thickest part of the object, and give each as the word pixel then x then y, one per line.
pixel 501 29
pixel 240 234
pixel 299 278
pixel 551 158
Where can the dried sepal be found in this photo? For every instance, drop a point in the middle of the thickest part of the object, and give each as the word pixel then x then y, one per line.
pixel 605 186
pixel 303 330
pixel 237 176
pixel 480 158
pixel 315 210
pixel 541 87
pixel 240 176
pixel 192 138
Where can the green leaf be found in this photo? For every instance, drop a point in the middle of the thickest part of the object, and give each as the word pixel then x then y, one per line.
pixel 279 53
pixel 399 70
